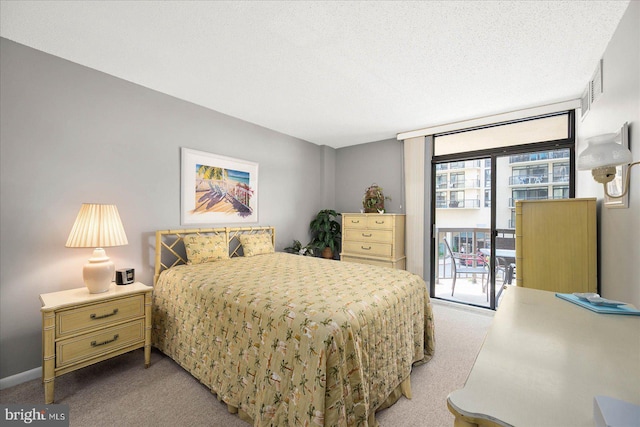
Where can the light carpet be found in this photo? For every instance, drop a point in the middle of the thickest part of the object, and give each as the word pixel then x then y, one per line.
pixel 121 392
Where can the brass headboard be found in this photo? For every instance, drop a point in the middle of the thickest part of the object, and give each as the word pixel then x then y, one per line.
pixel 170 249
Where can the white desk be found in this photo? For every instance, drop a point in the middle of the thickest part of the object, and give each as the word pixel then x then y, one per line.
pixel 543 361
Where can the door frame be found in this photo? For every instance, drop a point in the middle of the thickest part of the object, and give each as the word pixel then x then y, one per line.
pixel 493 154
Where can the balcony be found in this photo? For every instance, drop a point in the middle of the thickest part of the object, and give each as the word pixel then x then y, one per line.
pixel 470 288
pixel 469 164
pixel 512 201
pixel 457 204
pixel 528 179
pixel 564 179
pixel 468 183
pixel 539 157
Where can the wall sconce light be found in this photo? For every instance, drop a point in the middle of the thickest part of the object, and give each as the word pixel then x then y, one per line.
pixel 602 155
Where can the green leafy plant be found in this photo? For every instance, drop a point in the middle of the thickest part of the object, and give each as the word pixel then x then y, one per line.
pixel 297 249
pixel 325 231
pixel 373 199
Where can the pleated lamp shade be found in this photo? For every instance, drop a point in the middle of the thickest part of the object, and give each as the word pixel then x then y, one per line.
pixel 97 226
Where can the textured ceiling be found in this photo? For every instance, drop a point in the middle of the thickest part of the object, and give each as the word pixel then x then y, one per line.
pixel 333 73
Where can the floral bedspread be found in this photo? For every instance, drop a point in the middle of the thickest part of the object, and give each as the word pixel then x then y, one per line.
pixel 293 340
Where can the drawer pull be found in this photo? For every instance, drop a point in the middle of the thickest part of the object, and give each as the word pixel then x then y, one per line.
pixel 98 344
pixel 367 235
pixel 95 317
pixel 353 221
pixel 379 222
pixel 366 249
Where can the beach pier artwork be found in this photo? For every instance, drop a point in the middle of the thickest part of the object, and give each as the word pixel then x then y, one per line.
pixel 221 190
pixel 217 189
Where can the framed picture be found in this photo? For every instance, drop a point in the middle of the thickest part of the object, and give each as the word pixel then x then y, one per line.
pixel 217 189
pixel 616 186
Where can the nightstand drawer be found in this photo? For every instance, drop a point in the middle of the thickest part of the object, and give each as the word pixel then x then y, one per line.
pixel 91 345
pixel 88 317
pixel 384 236
pixel 368 248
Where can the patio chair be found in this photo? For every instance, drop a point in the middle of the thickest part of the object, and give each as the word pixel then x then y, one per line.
pixel 505 268
pixel 466 263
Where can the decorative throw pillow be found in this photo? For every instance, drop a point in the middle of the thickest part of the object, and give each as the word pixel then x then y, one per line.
pixel 201 249
pixel 256 244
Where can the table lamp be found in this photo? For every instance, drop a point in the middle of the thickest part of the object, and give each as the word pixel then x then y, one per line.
pixel 97 226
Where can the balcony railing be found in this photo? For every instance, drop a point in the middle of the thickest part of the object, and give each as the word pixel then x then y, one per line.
pixel 469 164
pixel 528 179
pixel 458 204
pixel 512 201
pixel 544 156
pixel 468 183
pixel 470 241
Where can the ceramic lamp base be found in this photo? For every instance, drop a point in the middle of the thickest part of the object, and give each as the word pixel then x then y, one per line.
pixel 98 272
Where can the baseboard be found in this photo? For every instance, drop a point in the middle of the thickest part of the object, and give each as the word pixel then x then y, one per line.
pixel 20 378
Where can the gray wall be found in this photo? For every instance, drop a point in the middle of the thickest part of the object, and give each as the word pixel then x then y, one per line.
pixel 359 166
pixel 70 134
pixel 619 229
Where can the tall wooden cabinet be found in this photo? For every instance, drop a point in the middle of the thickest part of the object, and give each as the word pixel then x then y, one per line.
pixel 556 245
pixel 371 238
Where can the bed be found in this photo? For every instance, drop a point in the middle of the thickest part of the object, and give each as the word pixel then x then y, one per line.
pixel 285 339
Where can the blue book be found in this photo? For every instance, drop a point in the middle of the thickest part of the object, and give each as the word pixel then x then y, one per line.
pixel 621 309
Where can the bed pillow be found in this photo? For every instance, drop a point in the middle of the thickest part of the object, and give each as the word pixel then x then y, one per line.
pixel 201 249
pixel 256 244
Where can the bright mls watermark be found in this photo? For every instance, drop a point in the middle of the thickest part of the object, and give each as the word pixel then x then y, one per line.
pixel 35 415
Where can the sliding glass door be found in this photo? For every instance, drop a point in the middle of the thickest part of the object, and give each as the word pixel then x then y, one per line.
pixel 473 213
pixel 462 229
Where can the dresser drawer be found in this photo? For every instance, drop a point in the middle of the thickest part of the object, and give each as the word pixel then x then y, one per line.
pixel 399 264
pixel 355 221
pixel 94 344
pixel 367 248
pixel 91 316
pixel 382 236
pixel 380 222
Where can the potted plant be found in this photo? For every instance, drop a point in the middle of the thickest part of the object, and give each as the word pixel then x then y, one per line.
pixel 325 231
pixel 373 199
pixel 297 249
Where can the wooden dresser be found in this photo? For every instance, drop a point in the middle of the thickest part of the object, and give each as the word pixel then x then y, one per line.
pixel 79 328
pixel 376 239
pixel 556 245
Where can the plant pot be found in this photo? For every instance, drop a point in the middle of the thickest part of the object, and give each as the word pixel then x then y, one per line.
pixel 376 209
pixel 373 201
pixel 327 253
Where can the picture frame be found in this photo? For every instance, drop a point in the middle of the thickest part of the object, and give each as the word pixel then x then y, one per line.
pixel 616 186
pixel 217 189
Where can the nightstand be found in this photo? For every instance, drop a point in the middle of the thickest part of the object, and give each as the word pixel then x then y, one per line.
pixel 80 329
